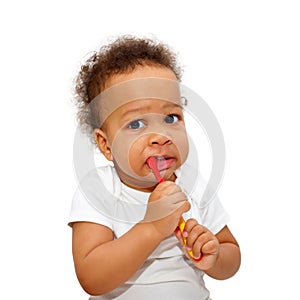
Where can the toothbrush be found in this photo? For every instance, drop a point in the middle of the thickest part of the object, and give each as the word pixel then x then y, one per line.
pixel 152 164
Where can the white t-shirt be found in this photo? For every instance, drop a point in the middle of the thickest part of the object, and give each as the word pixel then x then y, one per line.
pixel 101 198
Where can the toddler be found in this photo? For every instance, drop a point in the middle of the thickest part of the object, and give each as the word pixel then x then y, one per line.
pixel 126 240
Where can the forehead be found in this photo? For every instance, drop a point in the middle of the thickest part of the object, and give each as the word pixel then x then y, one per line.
pixel 161 91
pixel 144 106
pixel 142 71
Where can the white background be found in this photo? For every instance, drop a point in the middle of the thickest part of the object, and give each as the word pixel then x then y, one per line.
pixel 242 57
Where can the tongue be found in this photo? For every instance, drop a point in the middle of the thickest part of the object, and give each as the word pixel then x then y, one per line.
pixel 155 165
pixel 161 164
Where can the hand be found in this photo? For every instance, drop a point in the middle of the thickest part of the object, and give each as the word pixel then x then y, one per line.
pixel 202 242
pixel 165 206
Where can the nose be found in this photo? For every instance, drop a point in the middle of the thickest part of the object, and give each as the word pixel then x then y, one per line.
pixel 158 139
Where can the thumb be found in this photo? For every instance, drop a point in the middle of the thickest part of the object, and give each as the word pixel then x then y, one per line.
pixel 185 207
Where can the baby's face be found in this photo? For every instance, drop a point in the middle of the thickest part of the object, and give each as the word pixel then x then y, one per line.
pixel 143 128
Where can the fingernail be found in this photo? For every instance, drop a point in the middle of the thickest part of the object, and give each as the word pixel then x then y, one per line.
pixel 185 234
pixel 197 258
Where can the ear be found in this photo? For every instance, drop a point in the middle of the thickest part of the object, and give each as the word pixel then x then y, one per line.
pixel 102 142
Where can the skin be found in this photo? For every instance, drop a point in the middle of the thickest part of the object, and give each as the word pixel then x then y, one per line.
pixel 129 148
pixel 99 263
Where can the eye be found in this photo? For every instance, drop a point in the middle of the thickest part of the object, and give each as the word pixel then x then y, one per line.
pixel 136 124
pixel 171 119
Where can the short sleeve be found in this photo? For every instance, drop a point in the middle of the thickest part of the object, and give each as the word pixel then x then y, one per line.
pixel 83 211
pixel 214 216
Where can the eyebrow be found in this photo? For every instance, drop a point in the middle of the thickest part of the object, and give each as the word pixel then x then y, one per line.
pixel 146 108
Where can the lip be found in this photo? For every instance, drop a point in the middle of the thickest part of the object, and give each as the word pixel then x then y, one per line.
pixel 164 162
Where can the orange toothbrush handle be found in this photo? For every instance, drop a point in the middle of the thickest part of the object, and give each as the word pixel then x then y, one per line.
pixel 181 225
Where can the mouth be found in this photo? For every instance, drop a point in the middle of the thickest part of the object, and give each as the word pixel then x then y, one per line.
pixel 164 162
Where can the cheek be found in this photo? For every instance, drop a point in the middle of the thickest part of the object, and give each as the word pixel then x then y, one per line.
pixel 120 150
pixel 135 155
pixel 127 152
pixel 181 143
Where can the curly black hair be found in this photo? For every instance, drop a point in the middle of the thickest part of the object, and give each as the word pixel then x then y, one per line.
pixel 123 55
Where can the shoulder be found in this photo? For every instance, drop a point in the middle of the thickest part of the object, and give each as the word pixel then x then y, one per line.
pixel 100 179
pixel 95 197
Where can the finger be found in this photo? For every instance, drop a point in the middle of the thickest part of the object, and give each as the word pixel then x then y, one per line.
pixel 183 207
pixel 169 199
pixel 197 238
pixel 190 224
pixel 199 243
pixel 164 189
pixel 178 197
pixel 172 188
pixel 186 206
pixel 167 205
pixel 172 198
pixel 205 244
pixel 167 186
pixel 210 247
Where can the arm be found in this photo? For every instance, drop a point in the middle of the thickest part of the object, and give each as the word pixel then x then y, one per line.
pixel 229 257
pixel 103 263
pixel 220 253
